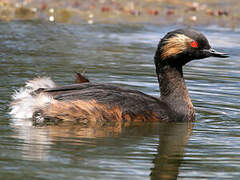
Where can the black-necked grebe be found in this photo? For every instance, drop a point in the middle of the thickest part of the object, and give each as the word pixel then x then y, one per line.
pixel 94 103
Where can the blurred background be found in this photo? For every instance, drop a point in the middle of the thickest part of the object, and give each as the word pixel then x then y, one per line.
pixel 186 12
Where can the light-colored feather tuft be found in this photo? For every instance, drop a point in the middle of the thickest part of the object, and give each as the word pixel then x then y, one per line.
pixel 25 104
pixel 175 45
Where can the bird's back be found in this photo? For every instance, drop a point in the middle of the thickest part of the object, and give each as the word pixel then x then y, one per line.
pixel 101 103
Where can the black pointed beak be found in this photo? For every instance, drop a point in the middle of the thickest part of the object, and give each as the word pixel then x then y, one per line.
pixel 214 53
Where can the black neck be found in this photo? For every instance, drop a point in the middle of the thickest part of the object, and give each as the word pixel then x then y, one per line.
pixel 174 91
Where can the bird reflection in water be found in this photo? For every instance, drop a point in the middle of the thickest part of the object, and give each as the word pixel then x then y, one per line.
pixel 172 139
pixel 38 141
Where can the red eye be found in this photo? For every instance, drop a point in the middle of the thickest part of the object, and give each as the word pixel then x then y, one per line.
pixel 194 44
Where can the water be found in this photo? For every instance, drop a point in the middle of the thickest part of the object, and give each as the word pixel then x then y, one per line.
pixel 121 54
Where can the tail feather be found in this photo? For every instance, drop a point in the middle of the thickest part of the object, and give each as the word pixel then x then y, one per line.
pixel 79 78
pixel 25 103
pixel 44 82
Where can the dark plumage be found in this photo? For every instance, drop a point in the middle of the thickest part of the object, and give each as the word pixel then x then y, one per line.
pixel 94 103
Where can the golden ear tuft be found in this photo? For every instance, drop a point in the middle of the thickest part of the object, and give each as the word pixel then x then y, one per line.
pixel 175 45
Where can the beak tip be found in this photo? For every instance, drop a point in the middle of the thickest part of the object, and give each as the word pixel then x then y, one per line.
pixel 223 55
pixel 215 53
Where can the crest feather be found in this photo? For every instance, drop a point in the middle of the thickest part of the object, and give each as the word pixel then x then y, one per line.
pixel 175 45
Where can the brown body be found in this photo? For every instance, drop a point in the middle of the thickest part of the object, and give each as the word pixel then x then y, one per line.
pixel 106 104
pixel 102 104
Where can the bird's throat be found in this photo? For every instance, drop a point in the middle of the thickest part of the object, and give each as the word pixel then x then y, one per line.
pixel 174 91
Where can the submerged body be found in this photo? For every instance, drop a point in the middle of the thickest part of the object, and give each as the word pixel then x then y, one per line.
pixel 104 104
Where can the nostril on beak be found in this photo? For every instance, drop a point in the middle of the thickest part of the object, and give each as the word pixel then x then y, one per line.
pixel 214 53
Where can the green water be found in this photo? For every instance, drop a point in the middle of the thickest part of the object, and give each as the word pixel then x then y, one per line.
pixel 121 54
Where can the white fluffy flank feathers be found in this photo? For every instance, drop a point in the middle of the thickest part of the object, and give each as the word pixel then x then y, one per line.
pixel 24 104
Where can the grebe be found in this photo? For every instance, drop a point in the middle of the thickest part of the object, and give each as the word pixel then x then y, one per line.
pixel 103 104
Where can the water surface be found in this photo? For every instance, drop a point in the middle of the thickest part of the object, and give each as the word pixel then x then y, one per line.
pixel 121 54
